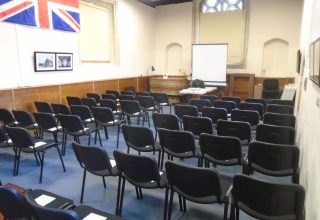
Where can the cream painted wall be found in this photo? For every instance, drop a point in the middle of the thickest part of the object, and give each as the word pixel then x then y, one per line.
pixel 135 23
pixel 173 25
pixel 308 114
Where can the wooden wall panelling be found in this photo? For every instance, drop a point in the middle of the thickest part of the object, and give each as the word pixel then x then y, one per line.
pixel 143 84
pixel 101 86
pixel 25 97
pixel 6 99
pixel 123 83
pixel 75 89
pixel 241 85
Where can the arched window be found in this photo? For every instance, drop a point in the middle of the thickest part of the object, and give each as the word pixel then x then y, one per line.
pixel 209 6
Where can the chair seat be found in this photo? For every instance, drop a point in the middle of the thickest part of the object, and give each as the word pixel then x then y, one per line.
pixel 58 202
pixel 86 131
pixel 187 154
pixel 92 213
pixel 152 184
pixel 285 172
pixel 148 148
pixel 106 172
pixel 33 126
pixel 38 146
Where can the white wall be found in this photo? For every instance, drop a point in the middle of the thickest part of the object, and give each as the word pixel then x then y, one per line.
pixel 308 114
pixel 173 25
pixel 135 23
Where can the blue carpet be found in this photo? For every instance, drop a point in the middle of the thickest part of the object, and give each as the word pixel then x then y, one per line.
pixel 68 183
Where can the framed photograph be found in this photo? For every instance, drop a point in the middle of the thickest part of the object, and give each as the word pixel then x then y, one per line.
pixel 64 61
pixel 44 61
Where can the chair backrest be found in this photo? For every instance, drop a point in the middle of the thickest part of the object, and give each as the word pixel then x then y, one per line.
pixel 109 103
pixel 252 117
pixel 114 92
pixel 82 111
pixel 273 159
pixel 90 102
pixel 131 89
pixel 95 96
pixel 275 134
pixel 160 97
pixel 282 109
pixel 211 98
pixel 282 102
pixel 193 182
pixel 43 107
pixel 234 99
pixel 181 109
pixel 267 200
pixel 279 119
pixel 6 116
pixel 60 109
pixel 197 125
pixel 138 137
pixel 126 97
pixel 92 158
pixel 270 89
pixel 74 100
pixel 136 168
pixel 20 137
pixel 200 103
pixel 23 117
pixel 129 106
pixel 261 101
pixel 102 114
pixel 228 105
pixel 214 113
pixel 253 107
pixel 45 120
pixel 166 121
pixel 109 96
pixel 177 141
pixel 13 205
pixel 143 94
pixel 146 101
pixel 71 123
pixel 221 150
pixel 239 129
pixel 3 137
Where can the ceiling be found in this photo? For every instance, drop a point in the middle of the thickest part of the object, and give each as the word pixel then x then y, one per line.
pixel 154 3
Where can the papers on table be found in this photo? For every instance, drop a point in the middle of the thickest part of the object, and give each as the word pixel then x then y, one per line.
pixel 44 200
pixel 197 91
pixel 93 216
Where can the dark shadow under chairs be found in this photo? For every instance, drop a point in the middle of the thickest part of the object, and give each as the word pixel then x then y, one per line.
pixel 95 96
pixel 214 114
pixel 74 100
pixel 239 129
pixel 178 144
pixel 266 200
pixel 161 100
pixel 73 126
pixel 279 119
pixel 132 109
pixel 25 120
pixel 211 98
pixel 199 185
pixel 142 172
pixel 94 160
pixel 60 109
pixel 273 160
pixel 234 99
pixel 275 134
pixel 166 121
pixel 200 103
pixel 252 107
pixel 220 150
pixel 47 123
pixel 43 107
pixel 104 117
pixel 90 102
pixel 259 101
pixel 282 109
pixel 23 142
pixel 228 105
pixel 140 139
pixel 197 125
pixel 252 117
pixel 7 118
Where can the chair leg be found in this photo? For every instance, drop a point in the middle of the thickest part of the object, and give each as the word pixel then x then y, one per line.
pixel 64 168
pixel 118 135
pixel 232 212
pixel 118 196
pixel 83 183
pixel 162 158
pixel 180 203
pixel 137 192
pixel 41 165
pixel 159 157
pixel 18 163
pixel 99 138
pixel 106 132
pixel 140 191
pixel 36 157
pixel 89 139
pixel 184 204
pixel 170 204
pixel 104 182
pixel 122 193
pixel 165 204
pixel 226 205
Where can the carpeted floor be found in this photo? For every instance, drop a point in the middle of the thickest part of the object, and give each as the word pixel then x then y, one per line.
pixel 68 183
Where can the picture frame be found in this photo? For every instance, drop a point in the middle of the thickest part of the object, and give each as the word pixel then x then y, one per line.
pixel 44 61
pixel 64 61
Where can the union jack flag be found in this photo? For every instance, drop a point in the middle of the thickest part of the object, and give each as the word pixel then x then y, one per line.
pixel 55 14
